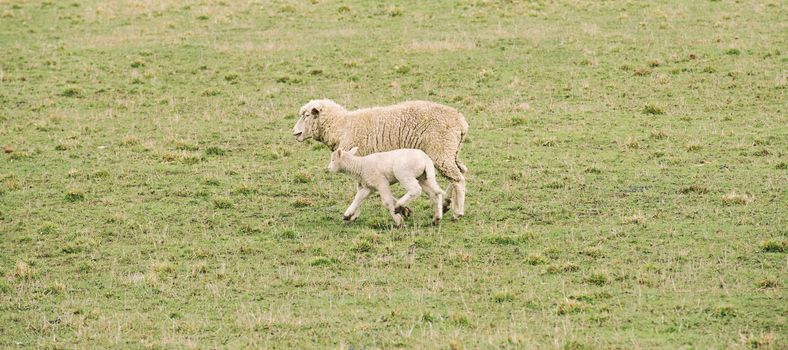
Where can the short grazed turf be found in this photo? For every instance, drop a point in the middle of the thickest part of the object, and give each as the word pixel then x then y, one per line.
pixel 627 184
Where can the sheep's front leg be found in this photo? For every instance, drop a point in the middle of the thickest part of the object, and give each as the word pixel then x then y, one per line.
pixel 352 212
pixel 389 202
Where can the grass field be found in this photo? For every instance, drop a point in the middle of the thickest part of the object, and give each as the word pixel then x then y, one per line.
pixel 627 184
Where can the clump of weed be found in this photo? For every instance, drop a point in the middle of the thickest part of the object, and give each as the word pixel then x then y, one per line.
pixel 393 11
pixel 569 306
pixel 592 169
pixel 459 320
pixel 47 228
pixel 505 239
pixel 74 195
pixel 594 252
pixel 693 146
pixel 185 146
pixel 637 219
pixel 697 189
pixel 598 278
pixel 244 189
pixel 631 143
pixel 724 311
pixel 223 203
pixel 138 64
pixel 574 345
pixel 288 235
pixel 781 166
pixel 302 202
pixel 164 269
pixel 402 68
pixel 22 271
pixel 302 177
pixel 211 92
pixel 55 288
pixel 343 9
pixel 761 153
pixel 214 151
pixel 565 267
pixel 517 121
pixel 733 198
pixel 546 142
pixel 320 261
pixel 129 141
pixel 653 109
pixel 654 63
pixel 362 247
pixel 641 72
pixel 767 283
pixel 535 259
pixel 732 51
pixel 202 17
pixel 709 69
pixel 184 157
pixel 71 92
pixel 658 134
pixel 774 246
pixel 503 297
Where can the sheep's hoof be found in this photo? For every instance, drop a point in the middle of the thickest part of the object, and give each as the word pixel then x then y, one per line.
pixel 347 218
pixel 456 217
pixel 436 221
pixel 446 206
pixel 404 211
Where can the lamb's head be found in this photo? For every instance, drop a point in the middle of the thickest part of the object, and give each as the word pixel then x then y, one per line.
pixel 338 157
pixel 310 119
pixel 333 165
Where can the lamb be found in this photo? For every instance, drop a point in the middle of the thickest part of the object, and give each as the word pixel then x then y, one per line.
pixel 436 129
pixel 410 167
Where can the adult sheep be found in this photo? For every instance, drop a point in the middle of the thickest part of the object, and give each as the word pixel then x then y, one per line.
pixel 436 129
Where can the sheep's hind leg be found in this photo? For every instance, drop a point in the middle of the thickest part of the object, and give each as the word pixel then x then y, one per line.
pixel 455 194
pixel 389 203
pixel 413 191
pixel 353 211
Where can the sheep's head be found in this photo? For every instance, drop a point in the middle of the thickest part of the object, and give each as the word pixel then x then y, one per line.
pixel 311 117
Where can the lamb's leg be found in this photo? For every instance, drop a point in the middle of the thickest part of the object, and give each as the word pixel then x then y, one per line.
pixel 389 202
pixel 447 197
pixel 352 212
pixel 413 191
pixel 436 196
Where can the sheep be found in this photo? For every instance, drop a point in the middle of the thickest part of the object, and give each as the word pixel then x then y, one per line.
pixel 436 129
pixel 412 168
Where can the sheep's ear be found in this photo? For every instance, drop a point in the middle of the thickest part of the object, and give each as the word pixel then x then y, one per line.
pixel 315 112
pixel 353 151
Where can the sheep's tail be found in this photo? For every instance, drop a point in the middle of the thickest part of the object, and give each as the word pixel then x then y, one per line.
pixel 463 132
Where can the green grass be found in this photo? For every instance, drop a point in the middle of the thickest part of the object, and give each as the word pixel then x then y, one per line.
pixel 627 184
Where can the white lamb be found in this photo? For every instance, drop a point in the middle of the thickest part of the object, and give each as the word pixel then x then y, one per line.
pixel 410 167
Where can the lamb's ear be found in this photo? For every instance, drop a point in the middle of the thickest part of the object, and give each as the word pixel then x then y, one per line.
pixel 353 151
pixel 315 112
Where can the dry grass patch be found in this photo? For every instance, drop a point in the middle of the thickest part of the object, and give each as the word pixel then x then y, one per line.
pixel 733 198
pixel 441 45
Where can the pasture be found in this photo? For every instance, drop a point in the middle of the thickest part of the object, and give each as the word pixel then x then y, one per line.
pixel 626 186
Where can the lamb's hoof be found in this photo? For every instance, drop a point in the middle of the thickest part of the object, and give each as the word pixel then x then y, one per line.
pixel 404 211
pixel 446 206
pixel 399 221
